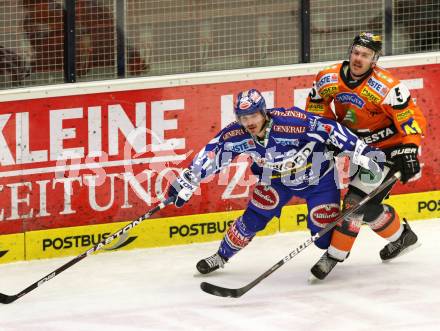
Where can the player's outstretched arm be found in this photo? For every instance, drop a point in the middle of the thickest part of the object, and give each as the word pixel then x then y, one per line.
pixel 209 161
pixel 363 155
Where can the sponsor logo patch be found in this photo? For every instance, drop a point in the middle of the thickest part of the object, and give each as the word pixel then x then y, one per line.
pixel 235 238
pixel 315 107
pixel 354 226
pixel 330 90
pixel 289 113
pixel 350 116
pixel 287 142
pixel 233 133
pixel 377 86
pixel 378 135
pixel 289 128
pixel 265 197
pixel 370 95
pixel 411 127
pixel 327 79
pixel 240 146
pixel 324 214
pixel 404 115
pixel 384 219
pixel 350 98
pixel 325 127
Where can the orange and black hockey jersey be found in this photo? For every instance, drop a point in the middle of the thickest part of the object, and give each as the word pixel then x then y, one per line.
pixel 378 108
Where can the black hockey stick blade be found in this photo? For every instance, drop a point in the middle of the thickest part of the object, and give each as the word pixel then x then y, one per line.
pixel 238 292
pixel 5 299
pixel 222 291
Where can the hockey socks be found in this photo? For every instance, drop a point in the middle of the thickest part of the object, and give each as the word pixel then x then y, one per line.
pixel 236 238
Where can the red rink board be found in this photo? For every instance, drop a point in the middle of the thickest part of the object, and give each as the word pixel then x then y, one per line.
pixel 35 188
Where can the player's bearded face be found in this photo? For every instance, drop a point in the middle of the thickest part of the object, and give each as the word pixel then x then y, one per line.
pixel 361 60
pixel 253 123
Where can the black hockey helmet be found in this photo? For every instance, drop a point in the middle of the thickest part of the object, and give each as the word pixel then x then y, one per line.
pixel 369 40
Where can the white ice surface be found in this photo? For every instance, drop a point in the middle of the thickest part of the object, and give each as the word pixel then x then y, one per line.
pixel 158 289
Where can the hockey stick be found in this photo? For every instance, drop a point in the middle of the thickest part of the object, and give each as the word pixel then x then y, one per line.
pixel 4 298
pixel 238 292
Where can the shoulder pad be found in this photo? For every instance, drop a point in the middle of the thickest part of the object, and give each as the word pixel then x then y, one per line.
pixel 333 67
pixel 378 85
pixel 384 76
pixel 327 80
pixel 398 97
pixel 235 123
pixel 232 131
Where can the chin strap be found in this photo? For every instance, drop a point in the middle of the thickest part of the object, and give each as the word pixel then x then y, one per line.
pixel 266 127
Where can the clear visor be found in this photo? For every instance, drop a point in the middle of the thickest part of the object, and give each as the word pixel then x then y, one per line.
pixel 364 52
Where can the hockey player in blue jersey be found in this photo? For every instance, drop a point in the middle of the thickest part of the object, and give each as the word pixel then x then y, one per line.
pixel 291 152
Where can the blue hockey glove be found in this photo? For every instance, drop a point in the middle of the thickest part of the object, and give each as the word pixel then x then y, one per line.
pixel 182 188
pixel 404 159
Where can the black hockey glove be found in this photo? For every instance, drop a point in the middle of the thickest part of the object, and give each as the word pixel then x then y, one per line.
pixel 404 159
pixel 182 188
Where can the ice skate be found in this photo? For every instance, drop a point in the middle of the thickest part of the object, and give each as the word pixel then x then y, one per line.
pixel 322 268
pixel 406 243
pixel 210 264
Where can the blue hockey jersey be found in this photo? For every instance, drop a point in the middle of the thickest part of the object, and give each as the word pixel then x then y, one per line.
pixel 297 149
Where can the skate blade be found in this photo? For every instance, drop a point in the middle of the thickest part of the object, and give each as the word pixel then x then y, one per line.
pixel 405 251
pixel 312 280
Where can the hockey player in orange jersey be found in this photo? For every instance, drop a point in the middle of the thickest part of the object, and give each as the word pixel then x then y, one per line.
pixel 379 109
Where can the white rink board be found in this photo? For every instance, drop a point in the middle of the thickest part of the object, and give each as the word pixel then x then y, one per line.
pixel 211 77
